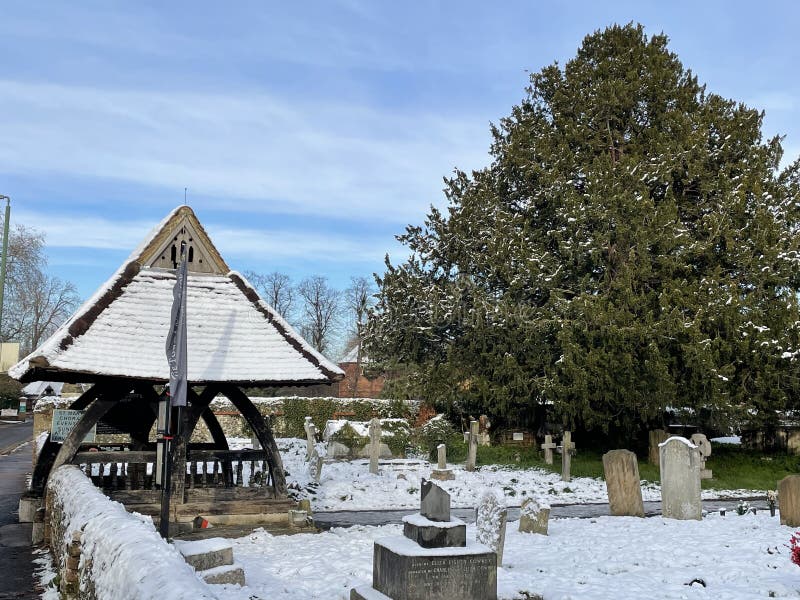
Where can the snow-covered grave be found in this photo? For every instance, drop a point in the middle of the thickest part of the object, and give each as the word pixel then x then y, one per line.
pixel 731 557
pixel 626 558
pixel 348 485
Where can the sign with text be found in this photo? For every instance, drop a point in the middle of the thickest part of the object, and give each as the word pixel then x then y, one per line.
pixel 64 421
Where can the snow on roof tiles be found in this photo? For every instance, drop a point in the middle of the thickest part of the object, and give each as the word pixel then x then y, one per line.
pixel 233 336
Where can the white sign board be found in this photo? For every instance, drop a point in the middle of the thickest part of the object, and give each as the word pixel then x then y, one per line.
pixel 518 436
pixel 64 421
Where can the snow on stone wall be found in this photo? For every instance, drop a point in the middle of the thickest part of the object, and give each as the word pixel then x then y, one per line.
pixel 122 555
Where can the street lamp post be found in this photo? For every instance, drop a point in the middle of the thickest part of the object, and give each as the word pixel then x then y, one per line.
pixel 3 259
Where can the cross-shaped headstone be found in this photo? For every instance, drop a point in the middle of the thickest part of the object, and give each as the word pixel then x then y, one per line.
pixel 310 437
pixel 548 447
pixel 374 444
pixel 567 446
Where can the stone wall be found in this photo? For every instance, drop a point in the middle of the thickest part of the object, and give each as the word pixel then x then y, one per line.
pixel 234 425
pixel 100 550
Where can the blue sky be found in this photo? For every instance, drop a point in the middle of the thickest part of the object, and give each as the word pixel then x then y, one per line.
pixel 308 134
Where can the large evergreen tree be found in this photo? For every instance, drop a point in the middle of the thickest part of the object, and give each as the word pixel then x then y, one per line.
pixel 631 247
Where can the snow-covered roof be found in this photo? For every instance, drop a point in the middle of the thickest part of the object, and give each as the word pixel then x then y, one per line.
pixel 352 356
pixel 37 388
pixel 233 336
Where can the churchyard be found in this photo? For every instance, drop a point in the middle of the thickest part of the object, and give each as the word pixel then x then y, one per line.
pixel 701 554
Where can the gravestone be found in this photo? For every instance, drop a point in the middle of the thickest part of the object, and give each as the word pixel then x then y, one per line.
pixel 472 451
pixel 680 479
pixel 316 460
pixel 374 444
pixel 311 433
pixel 567 448
pixel 491 515
pixel 789 500
pixel 548 448
pixel 704 446
pixel 534 516
pixel 623 484
pixel 433 560
pixel 441 472
pixel 657 437
pixel 484 424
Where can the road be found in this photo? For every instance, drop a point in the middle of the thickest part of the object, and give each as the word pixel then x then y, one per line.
pixel 16 568
pixel 13 434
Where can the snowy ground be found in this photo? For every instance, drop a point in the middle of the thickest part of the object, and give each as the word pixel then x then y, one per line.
pixel 625 558
pixel 348 485
pixel 735 557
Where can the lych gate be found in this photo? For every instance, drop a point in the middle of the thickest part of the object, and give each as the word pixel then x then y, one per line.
pixel 116 341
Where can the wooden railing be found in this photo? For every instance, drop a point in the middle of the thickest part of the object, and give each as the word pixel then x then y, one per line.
pixel 205 468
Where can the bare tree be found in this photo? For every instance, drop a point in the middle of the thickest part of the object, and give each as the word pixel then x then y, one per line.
pixel 358 299
pixel 35 303
pixel 320 312
pixel 275 289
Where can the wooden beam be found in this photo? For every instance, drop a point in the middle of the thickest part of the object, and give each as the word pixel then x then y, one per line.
pixel 264 434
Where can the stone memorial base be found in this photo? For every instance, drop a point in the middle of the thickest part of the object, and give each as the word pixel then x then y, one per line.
pixel 442 474
pixel 403 571
pixel 435 534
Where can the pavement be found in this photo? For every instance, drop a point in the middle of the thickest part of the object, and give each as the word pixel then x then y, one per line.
pixel 16 566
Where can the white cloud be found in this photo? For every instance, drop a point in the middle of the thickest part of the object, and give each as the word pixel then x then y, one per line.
pixel 258 151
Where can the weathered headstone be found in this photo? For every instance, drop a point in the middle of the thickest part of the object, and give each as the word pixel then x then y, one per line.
pixel 548 447
pixel 491 515
pixel 567 448
pixel 441 472
pixel 484 424
pixel 680 479
pixel 789 500
pixel 310 436
pixel 623 484
pixel 374 444
pixel 316 460
pixel 657 437
pixel 435 502
pixel 433 560
pixel 534 516
pixel 704 446
pixel 472 450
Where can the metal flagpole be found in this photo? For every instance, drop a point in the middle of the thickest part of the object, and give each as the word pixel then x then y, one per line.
pixel 177 359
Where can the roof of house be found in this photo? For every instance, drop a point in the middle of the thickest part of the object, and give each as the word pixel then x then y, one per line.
pixel 352 356
pixel 233 336
pixel 38 388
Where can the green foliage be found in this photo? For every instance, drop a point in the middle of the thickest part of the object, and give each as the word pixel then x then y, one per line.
pixel 400 439
pixel 438 431
pixel 10 391
pixel 631 247
pixel 348 437
pixel 295 410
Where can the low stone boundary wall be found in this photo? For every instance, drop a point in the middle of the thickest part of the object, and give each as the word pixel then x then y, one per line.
pixel 286 414
pixel 102 551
